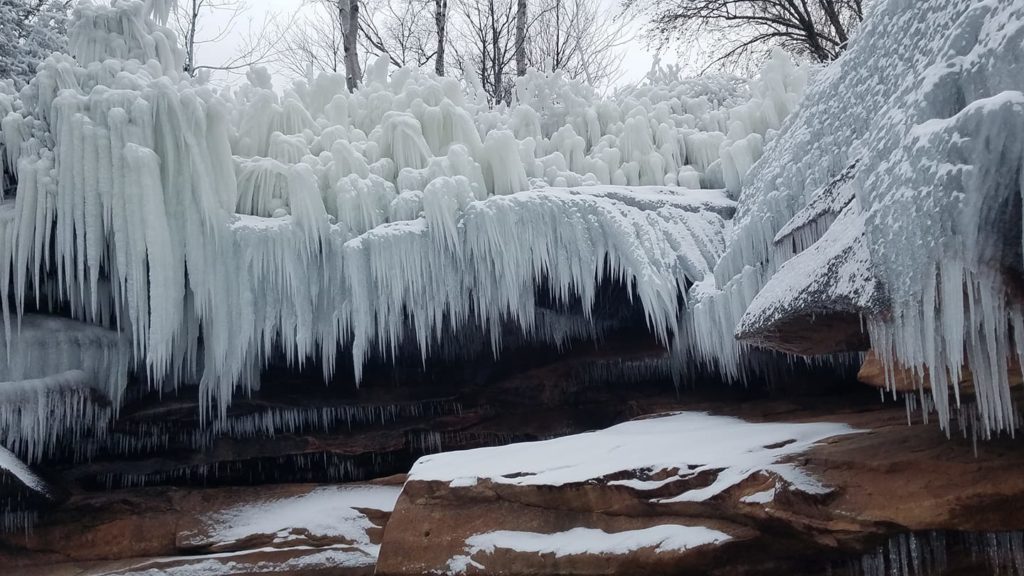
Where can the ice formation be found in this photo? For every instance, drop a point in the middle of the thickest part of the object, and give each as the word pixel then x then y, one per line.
pixel 922 554
pixel 894 192
pixel 62 381
pixel 213 229
pixel 196 235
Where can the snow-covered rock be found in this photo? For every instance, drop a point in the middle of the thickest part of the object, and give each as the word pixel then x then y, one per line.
pixel 326 515
pixel 656 445
pixel 564 511
pixel 642 496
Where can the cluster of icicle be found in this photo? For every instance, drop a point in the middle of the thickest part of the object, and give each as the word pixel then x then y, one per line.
pixel 932 553
pixel 37 417
pixel 901 175
pixel 145 436
pixel 624 370
pixel 61 383
pixel 306 467
pixel 316 220
pixel 432 441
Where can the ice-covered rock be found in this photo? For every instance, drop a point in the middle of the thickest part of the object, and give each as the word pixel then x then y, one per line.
pixel 897 187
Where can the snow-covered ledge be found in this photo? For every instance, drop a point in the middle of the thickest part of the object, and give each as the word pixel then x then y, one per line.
pixel 658 491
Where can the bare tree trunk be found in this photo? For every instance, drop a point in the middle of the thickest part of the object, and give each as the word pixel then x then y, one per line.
pixel 348 10
pixel 496 54
pixel 811 32
pixel 190 37
pixel 521 38
pixel 829 7
pixel 440 22
pixel 556 60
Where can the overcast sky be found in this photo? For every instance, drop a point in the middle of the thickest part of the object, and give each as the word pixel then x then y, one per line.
pixel 637 56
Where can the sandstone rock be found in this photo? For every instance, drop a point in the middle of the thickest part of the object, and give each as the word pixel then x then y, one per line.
pixel 894 478
pixel 327 561
pixel 288 529
pixel 872 372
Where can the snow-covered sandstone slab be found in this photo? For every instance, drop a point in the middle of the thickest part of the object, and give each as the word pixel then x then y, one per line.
pixel 327 560
pixel 335 514
pixel 688 443
pixel 580 541
pixel 815 302
pixel 650 495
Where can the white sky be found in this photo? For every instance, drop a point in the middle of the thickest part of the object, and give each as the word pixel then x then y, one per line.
pixel 637 56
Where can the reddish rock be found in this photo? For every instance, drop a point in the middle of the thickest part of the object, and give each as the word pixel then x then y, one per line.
pixel 872 372
pixel 894 479
pixel 164 528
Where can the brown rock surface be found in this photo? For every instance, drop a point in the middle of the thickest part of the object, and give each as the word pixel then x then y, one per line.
pixel 284 562
pixel 892 479
pixel 168 528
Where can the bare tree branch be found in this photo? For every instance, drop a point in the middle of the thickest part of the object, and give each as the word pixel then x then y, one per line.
pixel 817 29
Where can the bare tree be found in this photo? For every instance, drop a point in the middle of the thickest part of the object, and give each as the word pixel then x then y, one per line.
pixel 400 31
pixel 818 29
pixel 520 37
pixel 348 16
pixel 486 44
pixel 579 39
pixel 494 40
pixel 323 37
pixel 440 23
pixel 188 20
pixel 312 42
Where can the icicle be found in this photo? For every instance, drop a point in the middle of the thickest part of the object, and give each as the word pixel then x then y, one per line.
pixel 212 230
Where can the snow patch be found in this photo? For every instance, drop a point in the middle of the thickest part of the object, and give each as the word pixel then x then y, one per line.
pixel 691 443
pixel 327 512
pixel 662 538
